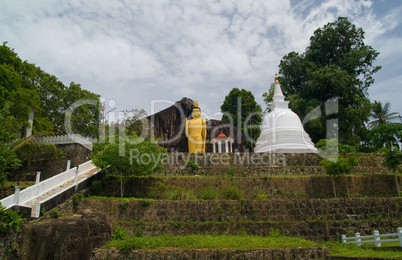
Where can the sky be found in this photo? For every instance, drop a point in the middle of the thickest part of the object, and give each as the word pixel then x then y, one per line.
pixel 150 53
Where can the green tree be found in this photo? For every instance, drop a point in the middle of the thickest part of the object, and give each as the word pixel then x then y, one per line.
pixel 336 64
pixel 239 108
pixel 381 114
pixel 8 159
pixel 25 87
pixel 393 159
pixel 339 160
pixel 128 156
pixel 385 135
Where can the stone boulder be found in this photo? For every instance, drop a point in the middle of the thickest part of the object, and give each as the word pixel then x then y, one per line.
pixel 67 238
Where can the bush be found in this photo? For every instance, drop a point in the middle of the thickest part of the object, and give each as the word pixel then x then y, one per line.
pixel 145 203
pixel 178 193
pixel 54 213
pixel 124 204
pixel 208 193
pixel 9 220
pixel 97 187
pixel 119 233
pixel 232 192
pixel 76 200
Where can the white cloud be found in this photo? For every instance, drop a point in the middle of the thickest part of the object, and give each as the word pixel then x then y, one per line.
pixel 136 51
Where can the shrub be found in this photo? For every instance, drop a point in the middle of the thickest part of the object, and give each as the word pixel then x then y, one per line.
pixel 232 171
pixel 208 193
pixel 124 204
pixel 262 195
pixel 232 192
pixel 54 213
pixel 178 193
pixel 76 200
pixel 274 233
pixel 145 203
pixel 9 220
pixel 97 187
pixel 119 233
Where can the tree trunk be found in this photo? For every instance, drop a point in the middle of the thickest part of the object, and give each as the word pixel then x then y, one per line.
pixel 397 184
pixel 333 186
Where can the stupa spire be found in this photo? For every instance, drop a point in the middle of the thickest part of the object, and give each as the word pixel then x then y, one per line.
pixel 279 98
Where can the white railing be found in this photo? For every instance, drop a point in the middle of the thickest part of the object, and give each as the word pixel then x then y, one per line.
pixel 30 193
pixel 66 139
pixel 375 238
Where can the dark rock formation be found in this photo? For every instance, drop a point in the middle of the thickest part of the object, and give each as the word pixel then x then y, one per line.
pixel 169 126
pixel 68 238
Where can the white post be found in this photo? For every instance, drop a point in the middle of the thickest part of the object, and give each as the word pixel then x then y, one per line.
pixel 399 230
pixel 214 147
pixel 377 238
pixel 343 238
pixel 219 146
pixel 68 165
pixel 358 239
pixel 226 146
pixel 37 178
pixel 37 210
pixel 76 179
pixel 16 195
pixel 28 132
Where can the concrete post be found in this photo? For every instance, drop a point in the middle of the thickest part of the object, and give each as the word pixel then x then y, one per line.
pixel 76 179
pixel 343 238
pixel 37 178
pixel 377 238
pixel 399 230
pixel 68 165
pixel 358 239
pixel 16 195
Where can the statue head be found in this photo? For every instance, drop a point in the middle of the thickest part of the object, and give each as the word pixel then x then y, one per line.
pixel 196 111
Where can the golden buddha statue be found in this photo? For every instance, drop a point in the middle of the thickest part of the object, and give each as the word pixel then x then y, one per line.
pixel 196 131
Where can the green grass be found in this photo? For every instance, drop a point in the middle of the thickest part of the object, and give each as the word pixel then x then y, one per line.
pixel 240 242
pixel 388 250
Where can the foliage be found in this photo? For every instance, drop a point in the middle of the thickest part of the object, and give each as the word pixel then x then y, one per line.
pixel 208 192
pixel 124 204
pixel 8 158
pixel 393 159
pixel 119 233
pixel 388 135
pixel 232 192
pixel 135 121
pixel 269 97
pixel 381 114
pixel 237 108
pixel 9 220
pixel 240 242
pixel 179 193
pixel 25 87
pixel 336 164
pixel 76 200
pixel 192 165
pixel 337 64
pixel 54 213
pixel 128 156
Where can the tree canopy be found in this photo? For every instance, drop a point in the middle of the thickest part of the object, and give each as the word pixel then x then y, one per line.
pixel 25 87
pixel 337 64
pixel 238 108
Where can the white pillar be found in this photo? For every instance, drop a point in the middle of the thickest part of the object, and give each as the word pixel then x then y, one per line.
pixel 213 147
pixel 37 178
pixel 68 165
pixel 219 146
pixel 226 146
pixel 28 132
pixel 16 195
pixel 231 147
pixel 76 179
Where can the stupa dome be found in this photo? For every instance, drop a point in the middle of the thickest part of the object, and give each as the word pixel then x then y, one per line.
pixel 282 130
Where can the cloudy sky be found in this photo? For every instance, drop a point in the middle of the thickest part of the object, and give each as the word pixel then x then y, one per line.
pixel 150 53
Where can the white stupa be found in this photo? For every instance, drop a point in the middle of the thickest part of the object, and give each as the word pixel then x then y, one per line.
pixel 282 130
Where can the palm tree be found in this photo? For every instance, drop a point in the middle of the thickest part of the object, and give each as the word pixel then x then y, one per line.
pixel 381 114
